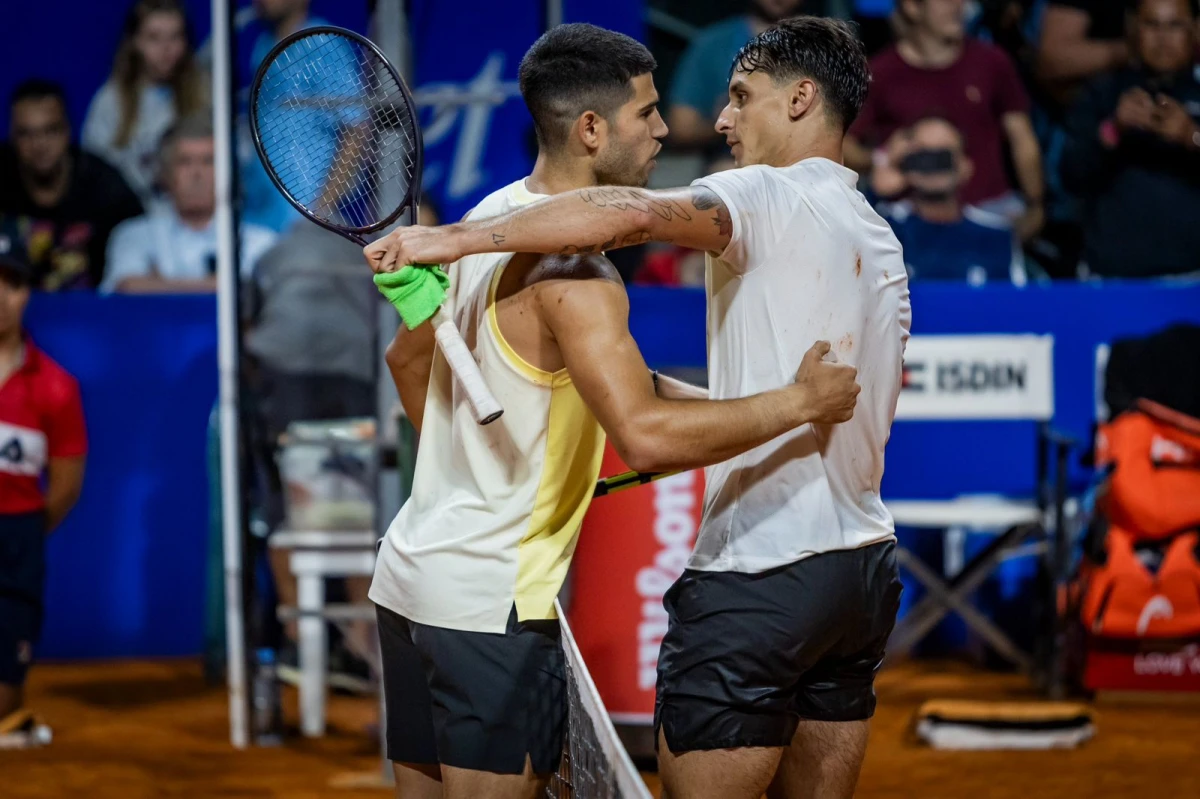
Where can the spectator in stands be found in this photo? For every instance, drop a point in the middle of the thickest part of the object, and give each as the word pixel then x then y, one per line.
pixel 260 28
pixel 700 86
pixel 1134 152
pixel 173 249
pixel 64 202
pixel 154 82
pixel 943 238
pixel 41 436
pixel 1080 40
pixel 936 68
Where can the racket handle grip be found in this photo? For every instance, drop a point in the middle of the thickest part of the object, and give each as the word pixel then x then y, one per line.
pixel 462 363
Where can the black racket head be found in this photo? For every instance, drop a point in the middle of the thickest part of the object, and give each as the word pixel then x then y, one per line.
pixel 336 129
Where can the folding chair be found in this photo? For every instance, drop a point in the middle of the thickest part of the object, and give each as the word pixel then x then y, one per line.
pixel 941 385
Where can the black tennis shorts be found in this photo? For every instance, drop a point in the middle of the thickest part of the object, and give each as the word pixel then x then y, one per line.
pixel 746 656
pixel 480 701
pixel 22 580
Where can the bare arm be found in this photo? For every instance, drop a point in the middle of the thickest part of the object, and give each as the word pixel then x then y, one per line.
pixel 1027 159
pixel 410 360
pixel 589 319
pixel 1066 54
pixel 63 484
pixel 586 221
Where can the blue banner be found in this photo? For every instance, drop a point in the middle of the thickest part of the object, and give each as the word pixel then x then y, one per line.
pixel 472 50
pixel 126 569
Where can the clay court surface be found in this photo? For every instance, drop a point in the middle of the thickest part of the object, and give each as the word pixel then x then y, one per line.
pixel 134 730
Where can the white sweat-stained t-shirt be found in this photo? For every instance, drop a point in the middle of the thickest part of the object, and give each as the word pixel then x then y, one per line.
pixel 809 259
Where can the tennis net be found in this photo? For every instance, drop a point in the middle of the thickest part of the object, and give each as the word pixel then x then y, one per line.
pixel 594 762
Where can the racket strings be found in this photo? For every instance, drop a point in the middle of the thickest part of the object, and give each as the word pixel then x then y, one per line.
pixel 336 130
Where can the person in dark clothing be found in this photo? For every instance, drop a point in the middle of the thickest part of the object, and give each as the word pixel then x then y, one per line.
pixel 62 201
pixel 1080 40
pixel 943 237
pixel 1133 154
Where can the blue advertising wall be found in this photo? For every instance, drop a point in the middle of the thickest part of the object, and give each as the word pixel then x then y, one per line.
pixel 126 570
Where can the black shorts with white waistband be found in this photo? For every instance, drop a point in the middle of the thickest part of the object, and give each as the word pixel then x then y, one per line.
pixel 479 701
pixel 746 656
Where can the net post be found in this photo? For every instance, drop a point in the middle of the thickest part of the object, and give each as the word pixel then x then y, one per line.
pixel 391 33
pixel 227 359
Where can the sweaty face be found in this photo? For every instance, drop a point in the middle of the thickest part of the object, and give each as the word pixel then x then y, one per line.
pixel 190 180
pixel 755 122
pixel 40 135
pixel 775 10
pixel 161 44
pixel 635 134
pixel 1166 35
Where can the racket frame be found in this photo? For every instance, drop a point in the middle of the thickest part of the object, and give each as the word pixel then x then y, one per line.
pixel 411 198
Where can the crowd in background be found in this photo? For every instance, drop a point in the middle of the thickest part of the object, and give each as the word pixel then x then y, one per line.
pixel 1005 140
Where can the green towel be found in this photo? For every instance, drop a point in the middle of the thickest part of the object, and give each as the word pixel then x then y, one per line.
pixel 415 291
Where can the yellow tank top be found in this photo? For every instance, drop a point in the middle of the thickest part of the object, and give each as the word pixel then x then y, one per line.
pixel 495 511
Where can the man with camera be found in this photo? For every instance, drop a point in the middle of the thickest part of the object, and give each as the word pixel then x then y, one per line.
pixel 1134 152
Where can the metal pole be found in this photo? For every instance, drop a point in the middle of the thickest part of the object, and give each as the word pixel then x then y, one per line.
pixel 227 361
pixel 392 35
pixel 554 13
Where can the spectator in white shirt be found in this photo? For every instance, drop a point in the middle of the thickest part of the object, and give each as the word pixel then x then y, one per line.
pixel 154 83
pixel 173 248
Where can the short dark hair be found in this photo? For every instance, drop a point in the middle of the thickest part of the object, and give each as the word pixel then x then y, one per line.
pixel 575 68
pixel 826 51
pixel 38 89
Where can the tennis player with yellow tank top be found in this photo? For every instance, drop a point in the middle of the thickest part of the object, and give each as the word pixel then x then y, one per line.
pixel 467 575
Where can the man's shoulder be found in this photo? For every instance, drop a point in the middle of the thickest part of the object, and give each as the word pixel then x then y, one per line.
pixel 102 183
pixel 502 200
pixel 135 228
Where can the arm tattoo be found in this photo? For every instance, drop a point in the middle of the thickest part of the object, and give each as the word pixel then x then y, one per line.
pixel 624 199
pixel 705 200
pixel 497 239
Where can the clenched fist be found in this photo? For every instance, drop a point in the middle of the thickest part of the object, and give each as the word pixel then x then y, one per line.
pixel 829 389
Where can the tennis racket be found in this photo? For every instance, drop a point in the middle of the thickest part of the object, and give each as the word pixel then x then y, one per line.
pixel 336 129
pixel 625 480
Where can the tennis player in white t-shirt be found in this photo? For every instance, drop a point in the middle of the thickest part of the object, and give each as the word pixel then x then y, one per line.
pixel 467 575
pixel 779 624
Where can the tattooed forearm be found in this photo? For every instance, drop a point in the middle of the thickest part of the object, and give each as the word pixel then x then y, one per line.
pixel 497 239
pixel 632 240
pixel 624 199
